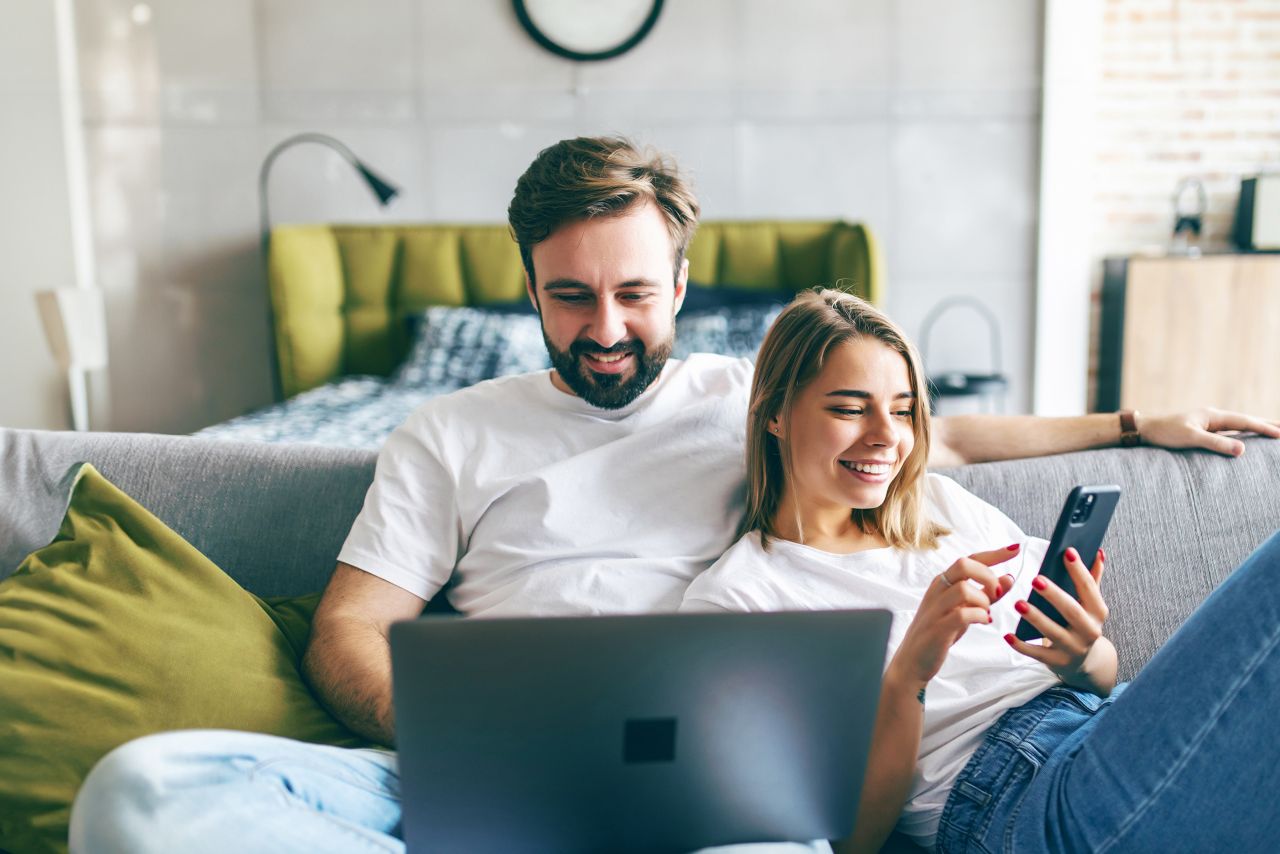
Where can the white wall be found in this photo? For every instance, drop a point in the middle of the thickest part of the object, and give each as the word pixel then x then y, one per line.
pixel 1068 134
pixel 35 216
pixel 920 117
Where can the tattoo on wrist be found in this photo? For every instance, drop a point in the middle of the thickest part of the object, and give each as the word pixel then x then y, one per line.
pixel 920 696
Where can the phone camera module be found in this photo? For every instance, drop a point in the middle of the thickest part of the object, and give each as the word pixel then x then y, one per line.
pixel 1082 511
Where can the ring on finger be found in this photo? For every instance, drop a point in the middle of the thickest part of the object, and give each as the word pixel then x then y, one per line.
pixel 945 580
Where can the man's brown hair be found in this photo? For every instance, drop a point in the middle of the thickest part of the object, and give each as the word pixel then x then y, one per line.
pixel 589 177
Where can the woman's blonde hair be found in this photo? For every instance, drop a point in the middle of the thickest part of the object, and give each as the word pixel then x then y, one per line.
pixel 791 356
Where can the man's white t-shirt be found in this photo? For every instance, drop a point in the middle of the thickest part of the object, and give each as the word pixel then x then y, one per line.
pixel 536 503
pixel 982 676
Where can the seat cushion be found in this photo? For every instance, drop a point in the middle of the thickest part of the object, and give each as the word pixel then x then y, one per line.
pixel 117 629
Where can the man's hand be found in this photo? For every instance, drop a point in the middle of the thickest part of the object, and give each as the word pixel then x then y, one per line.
pixel 1203 428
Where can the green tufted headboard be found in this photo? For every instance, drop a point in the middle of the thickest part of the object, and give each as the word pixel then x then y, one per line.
pixel 340 294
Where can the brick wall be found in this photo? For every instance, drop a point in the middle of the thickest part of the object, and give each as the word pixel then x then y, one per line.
pixel 1186 88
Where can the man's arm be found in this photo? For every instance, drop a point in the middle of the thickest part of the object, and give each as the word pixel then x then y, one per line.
pixel 961 439
pixel 348 658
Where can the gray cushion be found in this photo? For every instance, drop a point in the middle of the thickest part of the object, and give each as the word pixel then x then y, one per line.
pixel 272 516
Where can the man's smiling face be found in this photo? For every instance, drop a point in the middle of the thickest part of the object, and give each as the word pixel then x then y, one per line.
pixel 607 296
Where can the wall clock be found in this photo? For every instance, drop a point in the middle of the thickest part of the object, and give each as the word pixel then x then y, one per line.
pixel 588 30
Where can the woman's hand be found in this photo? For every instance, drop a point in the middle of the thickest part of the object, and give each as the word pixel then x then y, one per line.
pixel 950 606
pixel 1078 654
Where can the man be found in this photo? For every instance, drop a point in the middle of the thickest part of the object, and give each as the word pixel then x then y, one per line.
pixel 602 486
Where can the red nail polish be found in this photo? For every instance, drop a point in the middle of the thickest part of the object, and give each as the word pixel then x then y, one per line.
pixel 1102 555
pixel 1015 547
pixel 1038 583
pixel 1021 607
pixel 1072 554
pixel 1010 639
pixel 990 619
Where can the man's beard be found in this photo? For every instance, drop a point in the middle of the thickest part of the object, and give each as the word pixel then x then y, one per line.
pixel 608 391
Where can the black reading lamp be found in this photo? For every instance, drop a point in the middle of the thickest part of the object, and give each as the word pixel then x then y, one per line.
pixel 988 387
pixel 380 188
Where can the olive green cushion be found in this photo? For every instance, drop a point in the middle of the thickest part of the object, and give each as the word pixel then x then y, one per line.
pixel 117 629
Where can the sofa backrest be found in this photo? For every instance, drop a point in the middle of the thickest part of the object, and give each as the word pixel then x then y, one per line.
pixel 341 294
pixel 274 516
pixel 1185 520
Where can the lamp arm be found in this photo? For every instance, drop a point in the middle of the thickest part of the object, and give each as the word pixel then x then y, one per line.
pixel 383 190
pixel 264 173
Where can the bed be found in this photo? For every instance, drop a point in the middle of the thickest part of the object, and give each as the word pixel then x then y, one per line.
pixel 371 321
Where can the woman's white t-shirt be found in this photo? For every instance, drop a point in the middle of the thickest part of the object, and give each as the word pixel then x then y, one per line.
pixel 982 676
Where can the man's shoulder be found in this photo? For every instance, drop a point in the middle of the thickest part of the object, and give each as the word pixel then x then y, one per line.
pixel 515 388
pixel 487 403
pixel 712 370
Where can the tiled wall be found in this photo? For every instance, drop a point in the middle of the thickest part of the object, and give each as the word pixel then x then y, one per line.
pixel 920 117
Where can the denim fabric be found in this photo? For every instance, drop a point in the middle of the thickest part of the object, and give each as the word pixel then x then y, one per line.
pixel 218 791
pixel 987 794
pixel 1185 758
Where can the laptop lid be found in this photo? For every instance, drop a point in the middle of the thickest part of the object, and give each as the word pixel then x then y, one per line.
pixel 637 733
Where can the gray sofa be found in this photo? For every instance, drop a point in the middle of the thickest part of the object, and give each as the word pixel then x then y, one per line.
pixel 274 516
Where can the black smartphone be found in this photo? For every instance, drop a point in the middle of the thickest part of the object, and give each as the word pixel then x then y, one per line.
pixel 1081 526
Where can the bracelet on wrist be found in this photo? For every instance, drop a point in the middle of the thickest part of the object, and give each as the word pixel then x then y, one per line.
pixel 1129 435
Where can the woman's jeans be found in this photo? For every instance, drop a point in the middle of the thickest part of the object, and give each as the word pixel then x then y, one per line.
pixel 1184 758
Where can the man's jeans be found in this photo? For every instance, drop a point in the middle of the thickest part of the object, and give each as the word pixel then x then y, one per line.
pixel 217 791
pixel 1185 758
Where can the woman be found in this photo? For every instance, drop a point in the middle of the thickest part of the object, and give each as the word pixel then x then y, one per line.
pixel 1014 746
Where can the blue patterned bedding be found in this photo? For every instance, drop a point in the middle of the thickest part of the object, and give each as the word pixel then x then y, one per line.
pixel 353 412
pixel 454 348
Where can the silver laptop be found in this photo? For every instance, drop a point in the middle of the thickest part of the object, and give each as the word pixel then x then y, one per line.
pixel 647 733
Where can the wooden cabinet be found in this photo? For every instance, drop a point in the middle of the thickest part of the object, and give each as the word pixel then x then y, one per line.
pixel 1185 332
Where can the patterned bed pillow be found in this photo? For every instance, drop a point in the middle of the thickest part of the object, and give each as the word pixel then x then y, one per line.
pixel 731 331
pixel 359 412
pixel 353 412
pixel 457 347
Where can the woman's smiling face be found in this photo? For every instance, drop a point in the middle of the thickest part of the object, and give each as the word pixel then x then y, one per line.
pixel 850 429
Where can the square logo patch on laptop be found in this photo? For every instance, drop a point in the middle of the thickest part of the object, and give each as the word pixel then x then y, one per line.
pixel 649 740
